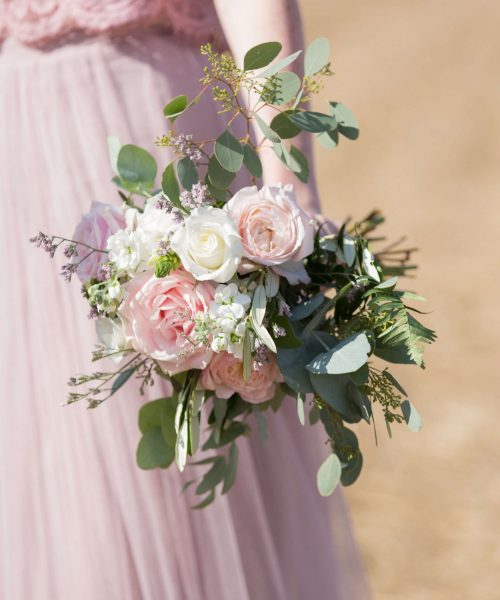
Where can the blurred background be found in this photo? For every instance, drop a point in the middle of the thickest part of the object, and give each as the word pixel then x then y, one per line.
pixel 423 79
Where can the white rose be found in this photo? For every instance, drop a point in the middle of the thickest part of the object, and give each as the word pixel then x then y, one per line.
pixel 208 245
pixel 112 336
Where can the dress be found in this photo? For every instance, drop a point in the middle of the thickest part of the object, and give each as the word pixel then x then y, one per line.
pixel 78 519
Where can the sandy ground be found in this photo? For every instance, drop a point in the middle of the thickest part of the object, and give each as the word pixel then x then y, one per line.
pixel 423 79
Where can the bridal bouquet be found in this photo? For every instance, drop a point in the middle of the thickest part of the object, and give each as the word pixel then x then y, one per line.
pixel 234 296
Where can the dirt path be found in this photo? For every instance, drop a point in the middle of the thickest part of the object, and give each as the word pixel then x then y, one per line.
pixel 423 78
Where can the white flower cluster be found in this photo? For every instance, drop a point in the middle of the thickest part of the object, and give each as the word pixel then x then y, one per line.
pixel 132 248
pixel 226 320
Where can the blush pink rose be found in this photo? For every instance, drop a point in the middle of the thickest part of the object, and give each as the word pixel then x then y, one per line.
pixel 94 230
pixel 158 315
pixel 275 232
pixel 224 375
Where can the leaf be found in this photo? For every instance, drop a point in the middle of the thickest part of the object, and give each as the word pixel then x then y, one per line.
pixel 328 139
pixel 152 451
pixel 329 475
pixel 176 107
pixel 360 400
pixel 261 424
pixel 114 147
pixel 216 193
pixel 346 357
pixel 188 175
pixel 284 155
pixel 231 468
pixel 122 379
pixel 218 176
pixel 300 409
pixel 349 249
pixel 181 445
pixel 251 161
pixel 229 434
pixel 266 130
pixel 411 416
pixel 271 283
pixel 306 308
pixel 390 377
pixel 283 126
pixel 317 55
pixel 259 304
pixel 247 356
pixel 213 476
pixel 264 336
pixel 136 166
pixel 229 153
pixel 347 122
pixel 169 409
pixel 332 389
pixel 289 340
pixel 194 432
pixel 170 186
pixel 207 500
pixel 313 122
pixel 360 377
pixel 260 56
pixel 299 157
pixel 287 85
pixel 396 354
pixel 150 415
pixel 281 64
pixel 352 469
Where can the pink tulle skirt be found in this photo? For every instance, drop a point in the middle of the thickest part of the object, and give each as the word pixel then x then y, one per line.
pixel 78 519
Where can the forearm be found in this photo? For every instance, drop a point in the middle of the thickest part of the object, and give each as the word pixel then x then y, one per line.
pixel 247 24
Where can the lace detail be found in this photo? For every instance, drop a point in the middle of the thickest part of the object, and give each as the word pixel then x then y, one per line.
pixel 38 22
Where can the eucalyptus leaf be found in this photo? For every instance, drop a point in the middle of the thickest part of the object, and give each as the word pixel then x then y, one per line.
pixel 219 177
pixel 259 304
pixel 287 85
pixel 347 122
pixel 150 415
pixel 332 389
pixel 260 56
pixel 261 424
pixel 299 157
pixel 352 469
pixel 360 377
pixel 311 121
pixel 136 166
pixel 360 400
pixel 251 161
pixel 169 408
pixel 390 377
pixel 231 468
pixel 328 139
pixel 266 130
pixel 349 249
pixel 290 339
pixel 176 107
pixel 283 126
pixel 346 357
pixel 181 445
pixel 271 283
pixel 306 308
pixel 284 155
pixel 206 501
pixel 412 418
pixel 300 409
pixel 280 64
pixel 122 379
pixel 264 336
pixel 317 55
pixel 170 186
pixel 229 153
pixel 152 452
pixel 194 432
pixel 188 175
pixel 329 475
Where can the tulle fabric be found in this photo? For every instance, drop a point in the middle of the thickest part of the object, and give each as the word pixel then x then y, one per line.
pixel 78 519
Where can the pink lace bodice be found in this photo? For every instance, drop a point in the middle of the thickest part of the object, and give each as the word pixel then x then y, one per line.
pixel 38 22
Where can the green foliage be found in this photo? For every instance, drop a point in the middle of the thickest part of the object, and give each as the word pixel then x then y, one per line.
pixel 260 56
pixel 229 153
pixel 317 56
pixel 347 122
pixel 314 122
pixel 187 173
pixel 279 65
pixel 136 167
pixel 218 176
pixel 345 357
pixel 329 475
pixel 170 185
pixel 251 161
pixel 152 451
pixel 176 107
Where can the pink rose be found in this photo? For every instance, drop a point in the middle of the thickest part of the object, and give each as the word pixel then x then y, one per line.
pixel 224 375
pixel 159 314
pixel 274 230
pixel 94 230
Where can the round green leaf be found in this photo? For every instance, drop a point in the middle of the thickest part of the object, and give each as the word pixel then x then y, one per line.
pixel 313 122
pixel 411 416
pixel 352 469
pixel 301 160
pixel 266 130
pixel 231 469
pixel 260 56
pixel 152 451
pixel 150 415
pixel 251 161
pixel 229 153
pixel 170 185
pixel 348 124
pixel 329 475
pixel 328 139
pixel 218 176
pixel 282 125
pixel 281 64
pixel 287 84
pixel 317 55
pixel 346 357
pixel 135 165
pixel 333 390
pixel 176 107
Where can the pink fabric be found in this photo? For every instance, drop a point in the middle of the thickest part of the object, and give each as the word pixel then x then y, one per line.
pixel 38 22
pixel 78 519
